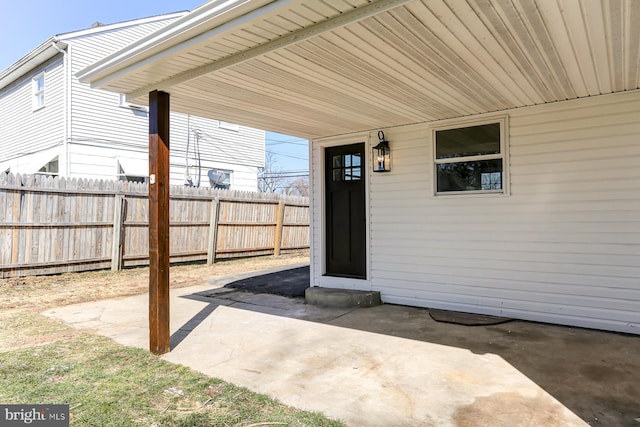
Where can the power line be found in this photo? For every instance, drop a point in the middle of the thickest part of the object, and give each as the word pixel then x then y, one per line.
pixel 295 140
pixel 277 142
pixel 283 176
pixel 281 172
pixel 289 155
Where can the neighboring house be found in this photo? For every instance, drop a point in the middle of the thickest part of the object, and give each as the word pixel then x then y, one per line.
pixel 53 124
pixel 514 130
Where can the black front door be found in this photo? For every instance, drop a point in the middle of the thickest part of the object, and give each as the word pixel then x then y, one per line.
pixel 345 213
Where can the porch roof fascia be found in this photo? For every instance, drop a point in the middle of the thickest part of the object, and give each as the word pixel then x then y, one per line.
pixel 241 56
pixel 178 35
pixel 196 26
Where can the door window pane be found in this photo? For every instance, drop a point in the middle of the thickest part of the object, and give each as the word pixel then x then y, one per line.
pixel 347 167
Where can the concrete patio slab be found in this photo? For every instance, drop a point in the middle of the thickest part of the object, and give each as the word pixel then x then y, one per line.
pixel 274 345
pixel 363 378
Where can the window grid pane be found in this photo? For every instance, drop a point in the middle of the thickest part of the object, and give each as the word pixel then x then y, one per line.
pixel 38 91
pixel 347 167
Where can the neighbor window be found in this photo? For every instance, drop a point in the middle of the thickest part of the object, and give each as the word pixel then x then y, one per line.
pixel 470 159
pixel 125 104
pixel 50 168
pixel 133 178
pixel 37 84
pixel 133 173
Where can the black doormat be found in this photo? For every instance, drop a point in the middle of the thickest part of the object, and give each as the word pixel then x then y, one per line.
pixel 467 319
pixel 288 283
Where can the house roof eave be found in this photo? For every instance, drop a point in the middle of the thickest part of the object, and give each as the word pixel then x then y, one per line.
pixel 118 25
pixel 32 60
pixel 46 50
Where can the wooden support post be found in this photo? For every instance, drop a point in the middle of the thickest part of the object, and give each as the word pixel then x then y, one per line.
pixel 117 243
pixel 159 332
pixel 279 225
pixel 213 231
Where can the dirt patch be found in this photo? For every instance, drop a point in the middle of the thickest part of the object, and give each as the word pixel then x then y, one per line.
pixel 23 298
pixel 501 409
pixel 43 292
pixel 25 328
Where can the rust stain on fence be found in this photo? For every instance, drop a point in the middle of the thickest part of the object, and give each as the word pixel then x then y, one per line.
pixel 55 225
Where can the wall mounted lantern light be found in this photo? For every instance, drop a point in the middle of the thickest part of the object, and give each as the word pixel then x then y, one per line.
pixel 381 155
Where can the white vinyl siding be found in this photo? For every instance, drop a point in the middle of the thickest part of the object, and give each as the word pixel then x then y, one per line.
pixel 211 147
pixel 23 131
pixel 563 247
pixel 94 112
pixel 95 158
pixel 242 147
pixel 102 130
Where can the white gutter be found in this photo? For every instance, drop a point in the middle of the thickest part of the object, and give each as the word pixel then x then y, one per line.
pixel 36 57
pixel 66 67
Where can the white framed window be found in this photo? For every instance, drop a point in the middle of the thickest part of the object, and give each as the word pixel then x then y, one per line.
pixel 132 170
pixel 125 104
pixel 37 88
pixel 51 168
pixel 229 126
pixel 471 158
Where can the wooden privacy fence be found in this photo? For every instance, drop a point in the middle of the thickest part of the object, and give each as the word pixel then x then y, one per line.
pixel 54 225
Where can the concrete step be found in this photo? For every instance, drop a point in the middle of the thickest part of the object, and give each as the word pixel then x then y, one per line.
pixel 341 298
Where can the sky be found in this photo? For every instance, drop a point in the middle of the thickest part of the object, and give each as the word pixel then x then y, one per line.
pixel 25 24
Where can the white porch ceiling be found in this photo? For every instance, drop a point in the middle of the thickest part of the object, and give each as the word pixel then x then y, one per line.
pixel 323 67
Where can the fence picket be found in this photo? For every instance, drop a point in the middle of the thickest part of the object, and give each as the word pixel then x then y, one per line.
pixel 213 231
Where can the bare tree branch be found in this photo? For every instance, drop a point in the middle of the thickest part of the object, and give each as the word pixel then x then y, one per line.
pixel 269 179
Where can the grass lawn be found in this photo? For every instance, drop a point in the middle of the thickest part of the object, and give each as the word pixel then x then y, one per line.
pixel 107 384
